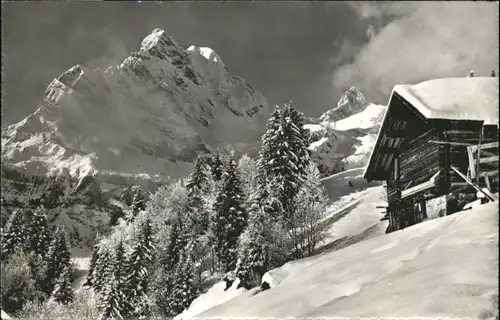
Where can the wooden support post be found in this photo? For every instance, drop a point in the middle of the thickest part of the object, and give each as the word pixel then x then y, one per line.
pixel 489 196
pixel 487 180
pixel 472 167
pixel 446 167
pixel 481 132
pixel 451 143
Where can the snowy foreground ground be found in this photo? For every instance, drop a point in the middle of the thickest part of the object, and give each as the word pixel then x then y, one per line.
pixel 445 267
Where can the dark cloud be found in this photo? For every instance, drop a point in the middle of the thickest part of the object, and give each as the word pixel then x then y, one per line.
pixel 424 40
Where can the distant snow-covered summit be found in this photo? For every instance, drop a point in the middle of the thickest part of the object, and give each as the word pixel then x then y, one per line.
pixel 151 115
pixel 351 102
pixel 344 136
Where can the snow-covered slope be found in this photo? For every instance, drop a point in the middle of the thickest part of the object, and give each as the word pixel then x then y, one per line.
pixel 4 315
pixel 350 218
pixel 145 118
pixel 345 135
pixel 416 272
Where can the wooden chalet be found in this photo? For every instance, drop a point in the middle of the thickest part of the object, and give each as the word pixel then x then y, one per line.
pixel 437 148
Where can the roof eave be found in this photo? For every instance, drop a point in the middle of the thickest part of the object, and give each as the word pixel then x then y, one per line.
pixel 368 174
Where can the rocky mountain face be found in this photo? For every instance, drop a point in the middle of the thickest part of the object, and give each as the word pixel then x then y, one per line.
pixel 138 123
pixel 342 138
pixel 147 118
pixel 82 207
pixel 351 102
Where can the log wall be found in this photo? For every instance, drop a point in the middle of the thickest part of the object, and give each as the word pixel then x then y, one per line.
pixel 421 159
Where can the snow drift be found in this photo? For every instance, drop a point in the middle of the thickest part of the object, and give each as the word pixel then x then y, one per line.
pixel 446 267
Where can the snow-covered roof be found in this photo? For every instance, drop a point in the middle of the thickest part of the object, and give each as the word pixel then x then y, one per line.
pixel 473 98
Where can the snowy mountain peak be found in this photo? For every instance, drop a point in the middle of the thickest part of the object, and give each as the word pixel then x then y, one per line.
pixel 71 76
pixel 206 52
pixel 149 116
pixel 158 44
pixel 351 102
pixel 346 134
pixel 352 96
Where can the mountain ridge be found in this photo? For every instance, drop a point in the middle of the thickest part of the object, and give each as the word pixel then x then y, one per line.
pixel 150 115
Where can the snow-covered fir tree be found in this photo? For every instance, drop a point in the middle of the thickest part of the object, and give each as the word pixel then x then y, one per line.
pixel 58 259
pixel 165 274
pixel 109 303
pixel 284 157
pixel 268 144
pixel 99 275
pixel 300 135
pixel 13 235
pixel 197 188
pixel 230 216
pixel 39 233
pixel 139 263
pixel 63 291
pixel 138 200
pixel 184 289
pixel 263 244
pixel 92 264
pixel 217 166
pixel 117 273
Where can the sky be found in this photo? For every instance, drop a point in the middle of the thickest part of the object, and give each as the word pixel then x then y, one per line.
pixel 307 52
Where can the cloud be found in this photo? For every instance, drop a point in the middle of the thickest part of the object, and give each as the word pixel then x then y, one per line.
pixel 114 53
pixel 424 40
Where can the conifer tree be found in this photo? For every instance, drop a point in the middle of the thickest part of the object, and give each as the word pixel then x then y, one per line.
pixel 196 188
pixel 230 216
pixel 109 303
pixel 139 264
pixel 63 292
pixel 101 270
pixel 39 233
pixel 13 235
pixel 119 272
pixel 138 200
pixel 217 166
pixel 92 265
pixel 298 161
pixel 284 157
pixel 253 255
pixel 266 153
pixel 263 245
pixel 113 297
pixel 58 258
pixel 184 291
pixel 175 245
pixel 165 279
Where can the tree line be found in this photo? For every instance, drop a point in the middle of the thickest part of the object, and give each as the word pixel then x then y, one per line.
pixel 232 218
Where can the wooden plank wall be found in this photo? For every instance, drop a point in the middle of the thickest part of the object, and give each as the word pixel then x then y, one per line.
pixel 420 160
pixel 393 193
